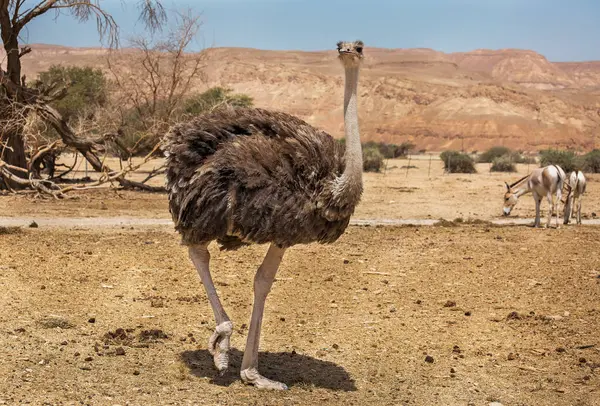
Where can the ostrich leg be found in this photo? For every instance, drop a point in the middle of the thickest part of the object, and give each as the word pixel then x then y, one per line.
pixel 218 343
pixel 262 285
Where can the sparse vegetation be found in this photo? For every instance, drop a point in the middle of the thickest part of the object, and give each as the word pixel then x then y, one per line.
pixel 515 157
pixel 493 153
pixel 85 89
pixel 592 161
pixel 565 159
pixel 390 151
pixel 457 162
pixel 213 98
pixel 372 159
pixel 503 164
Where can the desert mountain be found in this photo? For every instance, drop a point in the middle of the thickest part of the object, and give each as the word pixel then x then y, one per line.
pixel 469 100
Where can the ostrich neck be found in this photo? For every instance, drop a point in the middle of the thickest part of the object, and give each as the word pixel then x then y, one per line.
pixel 350 183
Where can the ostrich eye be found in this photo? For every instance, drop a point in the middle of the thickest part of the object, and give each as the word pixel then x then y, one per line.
pixel 359 50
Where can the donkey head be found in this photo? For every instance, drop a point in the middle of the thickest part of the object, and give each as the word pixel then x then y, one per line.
pixel 510 200
pixel 511 197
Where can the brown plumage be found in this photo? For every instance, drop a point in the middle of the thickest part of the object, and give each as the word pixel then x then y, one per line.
pixel 251 175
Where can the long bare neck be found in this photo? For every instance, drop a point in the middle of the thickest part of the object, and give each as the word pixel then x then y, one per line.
pixel 350 183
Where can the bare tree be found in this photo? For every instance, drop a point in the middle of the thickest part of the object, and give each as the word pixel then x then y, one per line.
pixel 17 100
pixel 154 77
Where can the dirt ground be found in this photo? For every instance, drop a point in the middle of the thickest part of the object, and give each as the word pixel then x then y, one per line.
pixel 117 315
pixel 507 314
pixel 423 193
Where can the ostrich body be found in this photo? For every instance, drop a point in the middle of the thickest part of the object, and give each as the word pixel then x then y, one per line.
pixel 241 176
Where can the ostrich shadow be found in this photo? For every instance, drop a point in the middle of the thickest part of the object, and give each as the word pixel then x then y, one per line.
pixel 288 367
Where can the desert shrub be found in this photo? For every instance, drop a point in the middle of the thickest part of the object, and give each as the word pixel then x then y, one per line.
pixel 493 153
pixel 390 151
pixel 372 159
pixel 457 162
pixel 503 164
pixel 86 89
pixel 214 97
pixel 515 157
pixel 591 161
pixel 565 159
pixel 140 123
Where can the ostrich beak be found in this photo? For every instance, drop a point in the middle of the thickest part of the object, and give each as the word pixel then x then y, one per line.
pixel 506 211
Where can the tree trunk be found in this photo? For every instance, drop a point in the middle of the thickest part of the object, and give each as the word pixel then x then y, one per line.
pixel 13 151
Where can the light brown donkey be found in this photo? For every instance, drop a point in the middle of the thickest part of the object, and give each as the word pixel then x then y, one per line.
pixel 547 181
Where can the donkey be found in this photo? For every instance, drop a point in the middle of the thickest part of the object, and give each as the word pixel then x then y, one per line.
pixel 576 186
pixel 547 181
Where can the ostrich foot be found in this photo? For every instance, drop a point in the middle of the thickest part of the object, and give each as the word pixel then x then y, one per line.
pixel 251 376
pixel 218 345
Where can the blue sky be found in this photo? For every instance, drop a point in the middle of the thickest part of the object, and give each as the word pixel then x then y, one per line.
pixel 559 29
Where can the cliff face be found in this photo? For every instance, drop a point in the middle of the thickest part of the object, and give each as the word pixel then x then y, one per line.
pixel 471 100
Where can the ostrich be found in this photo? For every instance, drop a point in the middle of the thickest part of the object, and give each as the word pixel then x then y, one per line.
pixel 248 175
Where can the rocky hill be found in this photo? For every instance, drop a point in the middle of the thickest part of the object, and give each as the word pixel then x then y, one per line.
pixel 471 100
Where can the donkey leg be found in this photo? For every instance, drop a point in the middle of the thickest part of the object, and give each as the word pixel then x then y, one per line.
pixel 538 202
pixel 550 209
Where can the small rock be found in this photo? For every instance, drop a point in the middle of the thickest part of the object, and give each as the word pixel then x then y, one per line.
pixel 119 351
pixel 467 313
pixel 136 372
pixel 42 287
pixel 452 370
pixel 450 303
pixel 88 359
pixel 582 360
pixel 429 359
pixel 282 318
pixel 92 320
pixel 64 343
pixel 513 316
pixel 511 356
pixel 560 349
pixel 33 224
pixel 392 309
pixel 76 354
pixel 456 349
pixel 335 346
pixel 329 278
pixel 346 261
pixel 418 302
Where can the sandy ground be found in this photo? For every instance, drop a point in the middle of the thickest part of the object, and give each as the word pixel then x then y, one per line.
pixel 351 323
pixel 117 315
pixel 424 192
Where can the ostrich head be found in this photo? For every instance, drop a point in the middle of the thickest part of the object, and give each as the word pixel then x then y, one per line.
pixel 350 53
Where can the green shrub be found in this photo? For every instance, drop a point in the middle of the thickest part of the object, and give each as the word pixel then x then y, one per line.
pixel 592 161
pixel 503 164
pixel 215 97
pixel 493 153
pixel 565 159
pixel 497 152
pixel 457 162
pixel 372 159
pixel 390 151
pixel 86 89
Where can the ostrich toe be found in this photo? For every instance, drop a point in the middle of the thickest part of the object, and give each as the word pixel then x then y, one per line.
pixel 251 376
pixel 218 345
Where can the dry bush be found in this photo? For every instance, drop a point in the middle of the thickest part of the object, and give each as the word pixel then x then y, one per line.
pixel 372 160
pixel 457 162
pixel 503 164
